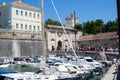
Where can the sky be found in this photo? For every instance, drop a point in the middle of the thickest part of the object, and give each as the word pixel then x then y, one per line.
pixel 85 10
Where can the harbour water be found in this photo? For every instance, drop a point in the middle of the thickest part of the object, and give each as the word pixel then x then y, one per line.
pixel 96 75
pixel 100 74
pixel 21 68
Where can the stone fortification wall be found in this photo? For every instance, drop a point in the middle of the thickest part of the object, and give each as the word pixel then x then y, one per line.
pixel 10 34
pixel 19 48
pixel 20 43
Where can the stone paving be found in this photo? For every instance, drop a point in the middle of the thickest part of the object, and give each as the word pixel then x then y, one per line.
pixel 111 74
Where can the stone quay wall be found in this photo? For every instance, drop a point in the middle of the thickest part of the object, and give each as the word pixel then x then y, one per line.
pixel 13 34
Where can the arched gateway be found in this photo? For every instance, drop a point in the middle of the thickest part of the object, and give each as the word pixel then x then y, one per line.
pixel 59 45
pixel 57 40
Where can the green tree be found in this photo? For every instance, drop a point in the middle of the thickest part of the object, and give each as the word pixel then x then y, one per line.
pixel 92 27
pixel 111 26
pixel 78 27
pixel 52 22
pixel 86 29
pixel 99 24
pixel 57 23
pixel 115 25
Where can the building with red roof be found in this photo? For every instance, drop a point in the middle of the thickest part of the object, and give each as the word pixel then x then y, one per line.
pixel 20 16
pixel 108 40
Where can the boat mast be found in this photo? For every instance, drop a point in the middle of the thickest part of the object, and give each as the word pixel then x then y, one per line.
pixel 43 30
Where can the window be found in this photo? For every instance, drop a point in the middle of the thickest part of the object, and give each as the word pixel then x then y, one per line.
pixel 21 13
pixel 17 12
pixel 34 15
pixel 26 27
pixel 25 13
pixel 30 14
pixel 34 27
pixel 30 27
pixel 16 25
pixel 38 27
pixel 38 15
pixel 21 26
pixel 0 14
pixel 89 60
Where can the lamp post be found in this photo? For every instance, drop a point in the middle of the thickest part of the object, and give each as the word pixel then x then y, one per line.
pixel 75 32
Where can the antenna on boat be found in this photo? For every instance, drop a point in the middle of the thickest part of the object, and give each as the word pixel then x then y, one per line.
pixel 43 31
pixel 63 27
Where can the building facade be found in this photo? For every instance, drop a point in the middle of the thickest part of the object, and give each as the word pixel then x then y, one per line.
pixel 58 40
pixel 20 16
pixel 72 20
pixel 109 40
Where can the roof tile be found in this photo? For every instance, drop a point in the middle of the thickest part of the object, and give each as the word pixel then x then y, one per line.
pixel 22 4
pixel 99 36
